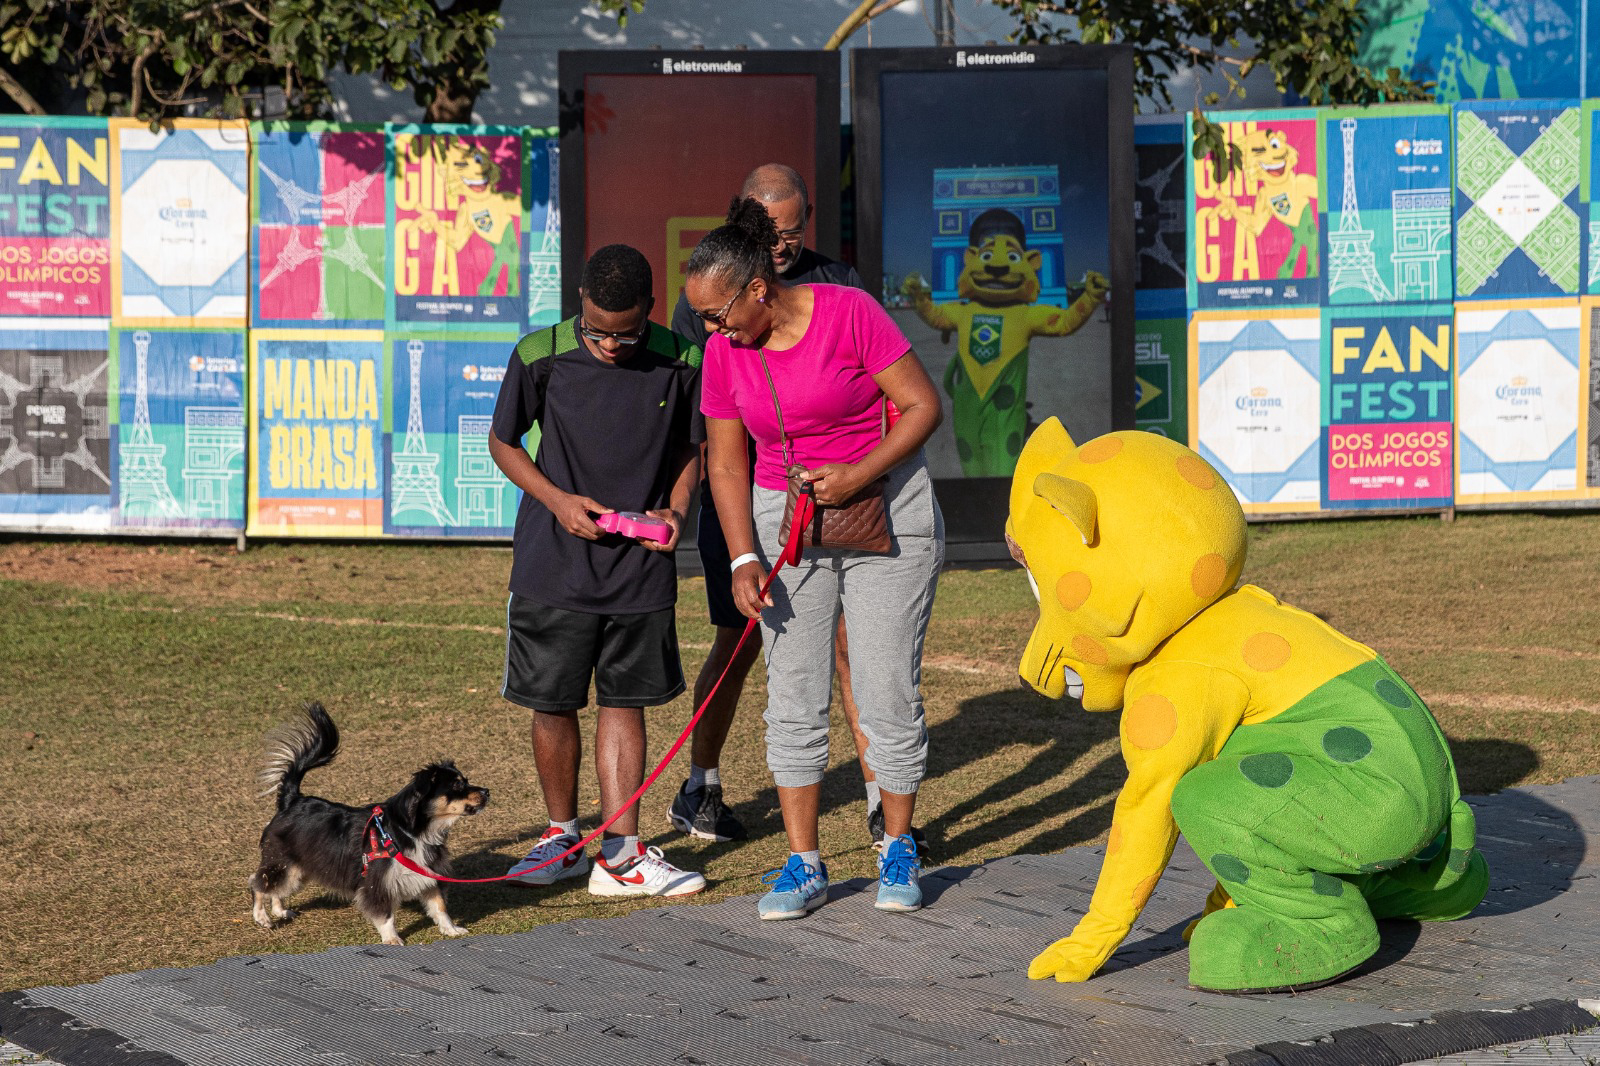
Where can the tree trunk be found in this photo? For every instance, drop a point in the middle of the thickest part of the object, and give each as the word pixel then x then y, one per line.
pixel 23 98
pixel 452 102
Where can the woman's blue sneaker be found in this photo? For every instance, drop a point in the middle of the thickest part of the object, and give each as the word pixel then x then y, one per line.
pixel 898 869
pixel 797 889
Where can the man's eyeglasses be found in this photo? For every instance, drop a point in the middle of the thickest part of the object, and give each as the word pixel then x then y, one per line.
pixel 624 339
pixel 720 318
pixel 789 236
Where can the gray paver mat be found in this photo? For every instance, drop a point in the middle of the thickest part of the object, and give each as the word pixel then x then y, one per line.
pixel 853 986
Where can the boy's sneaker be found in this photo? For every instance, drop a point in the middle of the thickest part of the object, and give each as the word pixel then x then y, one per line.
pixel 645 874
pixel 898 870
pixel 702 814
pixel 875 827
pixel 552 842
pixel 797 889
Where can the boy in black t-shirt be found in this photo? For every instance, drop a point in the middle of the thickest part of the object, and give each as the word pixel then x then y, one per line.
pixel 617 400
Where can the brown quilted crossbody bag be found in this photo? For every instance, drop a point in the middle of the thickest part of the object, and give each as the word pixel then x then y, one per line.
pixel 860 525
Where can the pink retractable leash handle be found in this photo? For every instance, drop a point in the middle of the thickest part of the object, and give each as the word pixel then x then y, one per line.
pixel 804 509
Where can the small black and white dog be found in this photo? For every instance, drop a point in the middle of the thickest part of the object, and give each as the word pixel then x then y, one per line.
pixel 315 840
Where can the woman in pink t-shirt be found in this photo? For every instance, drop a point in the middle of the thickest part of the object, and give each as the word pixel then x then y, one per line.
pixel 834 358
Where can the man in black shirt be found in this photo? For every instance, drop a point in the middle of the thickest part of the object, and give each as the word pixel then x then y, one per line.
pixel 698 808
pixel 617 400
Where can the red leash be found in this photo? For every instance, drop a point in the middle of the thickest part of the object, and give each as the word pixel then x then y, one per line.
pixel 380 845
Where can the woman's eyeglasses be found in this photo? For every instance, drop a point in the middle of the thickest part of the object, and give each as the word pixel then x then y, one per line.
pixel 720 318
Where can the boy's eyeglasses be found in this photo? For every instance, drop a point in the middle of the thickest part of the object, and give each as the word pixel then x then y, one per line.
pixel 720 318
pixel 624 339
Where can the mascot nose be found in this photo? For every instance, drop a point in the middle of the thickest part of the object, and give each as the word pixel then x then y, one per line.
pixel 998 271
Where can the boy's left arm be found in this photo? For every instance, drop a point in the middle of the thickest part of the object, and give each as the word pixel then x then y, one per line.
pixel 1176 716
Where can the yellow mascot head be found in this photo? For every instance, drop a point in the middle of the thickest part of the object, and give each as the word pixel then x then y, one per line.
pixel 997 269
pixel 1125 539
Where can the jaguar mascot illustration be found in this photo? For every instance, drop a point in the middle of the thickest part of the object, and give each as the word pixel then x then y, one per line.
pixel 485 212
pixel 1305 773
pixel 994 320
pixel 1281 194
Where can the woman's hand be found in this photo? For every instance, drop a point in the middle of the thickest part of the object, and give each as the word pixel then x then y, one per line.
pixel 747 596
pixel 836 483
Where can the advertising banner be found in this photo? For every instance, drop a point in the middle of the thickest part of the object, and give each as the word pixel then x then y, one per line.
pixel 317 421
pixel 1161 375
pixel 1516 204
pixel 456 227
pixel 320 226
pixel 55 217
pixel 183 223
pixel 1386 206
pixel 1160 215
pixel 1519 401
pixel 441 480
pixel 542 172
pixel 1591 413
pixel 1386 408
pixel 55 425
pixel 1255 394
pixel 180 434
pixel 1254 236
pixel 999 274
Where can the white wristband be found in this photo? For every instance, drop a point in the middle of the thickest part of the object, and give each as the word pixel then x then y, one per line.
pixel 747 557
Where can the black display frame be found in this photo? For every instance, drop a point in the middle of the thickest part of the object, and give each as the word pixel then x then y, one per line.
pixel 573 66
pixel 974 507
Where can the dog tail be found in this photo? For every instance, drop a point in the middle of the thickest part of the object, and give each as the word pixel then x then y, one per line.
pixel 295 749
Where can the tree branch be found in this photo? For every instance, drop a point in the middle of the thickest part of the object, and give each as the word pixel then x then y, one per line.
pixel 23 98
pixel 864 13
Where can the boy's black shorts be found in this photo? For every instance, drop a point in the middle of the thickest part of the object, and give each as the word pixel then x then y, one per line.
pixel 551 653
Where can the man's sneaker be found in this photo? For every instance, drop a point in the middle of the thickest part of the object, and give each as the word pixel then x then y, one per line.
pixel 552 842
pixel 645 874
pixel 797 889
pixel 898 870
pixel 875 827
pixel 702 814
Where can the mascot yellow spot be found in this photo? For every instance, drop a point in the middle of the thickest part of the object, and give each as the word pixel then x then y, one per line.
pixel 1196 472
pixel 1150 722
pixel 1100 449
pixel 1141 891
pixel 1209 572
pixel 1114 842
pixel 1089 650
pixel 1266 652
pixel 1073 589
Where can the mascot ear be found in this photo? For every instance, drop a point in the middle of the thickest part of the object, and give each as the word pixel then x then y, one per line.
pixel 1048 446
pixel 1072 498
pixel 1035 258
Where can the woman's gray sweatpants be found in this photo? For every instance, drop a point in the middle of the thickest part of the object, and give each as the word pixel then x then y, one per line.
pixel 886 600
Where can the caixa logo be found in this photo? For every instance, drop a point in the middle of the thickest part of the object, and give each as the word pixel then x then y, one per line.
pixel 994 59
pixel 1434 146
pixel 471 372
pixel 202 364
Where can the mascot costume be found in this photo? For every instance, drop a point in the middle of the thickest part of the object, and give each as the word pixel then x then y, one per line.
pixel 994 320
pixel 1305 773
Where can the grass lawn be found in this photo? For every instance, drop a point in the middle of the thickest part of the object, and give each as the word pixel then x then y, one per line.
pixel 139 680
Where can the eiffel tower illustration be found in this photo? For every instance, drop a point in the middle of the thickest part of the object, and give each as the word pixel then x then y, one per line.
pixel 415 485
pixel 1351 264
pixel 544 283
pixel 143 473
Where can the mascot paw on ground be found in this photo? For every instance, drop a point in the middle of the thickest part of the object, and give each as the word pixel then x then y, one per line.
pixel 996 317
pixel 1305 773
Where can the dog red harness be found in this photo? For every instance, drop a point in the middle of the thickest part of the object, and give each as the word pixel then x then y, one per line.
pixel 380 845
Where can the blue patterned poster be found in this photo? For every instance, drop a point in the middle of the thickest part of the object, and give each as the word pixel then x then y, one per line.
pixel 321 226
pixel 1386 206
pixel 1516 209
pixel 441 480
pixel 182 223
pixel 178 450
pixel 55 425
pixel 1254 407
pixel 1519 398
pixel 542 171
